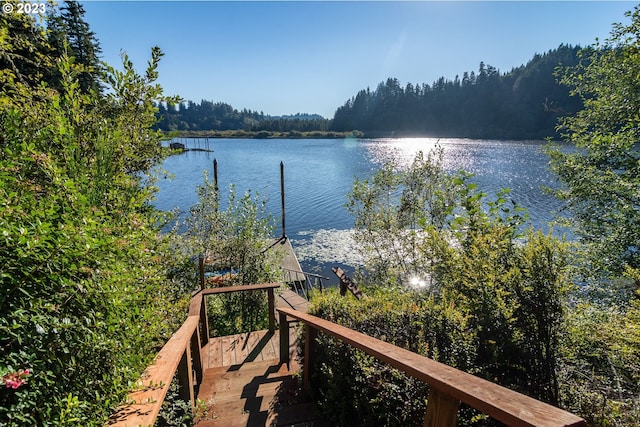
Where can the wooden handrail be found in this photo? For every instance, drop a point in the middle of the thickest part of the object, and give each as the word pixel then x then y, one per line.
pixel 240 288
pixel 182 354
pixel 448 386
pixel 144 403
pixel 269 287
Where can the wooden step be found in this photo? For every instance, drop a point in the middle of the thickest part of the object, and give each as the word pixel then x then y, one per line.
pixel 262 393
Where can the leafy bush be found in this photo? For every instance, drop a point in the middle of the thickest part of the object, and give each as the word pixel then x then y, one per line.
pixel 175 412
pixel 453 277
pixel 85 302
pixel 354 388
pixel 600 365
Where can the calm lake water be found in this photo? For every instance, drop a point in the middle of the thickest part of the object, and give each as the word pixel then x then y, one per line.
pixel 320 173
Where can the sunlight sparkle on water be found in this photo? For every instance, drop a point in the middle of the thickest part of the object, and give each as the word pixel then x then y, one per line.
pixel 417 282
pixel 457 152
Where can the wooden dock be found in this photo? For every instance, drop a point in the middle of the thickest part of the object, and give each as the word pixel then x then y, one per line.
pixel 290 263
pixel 290 299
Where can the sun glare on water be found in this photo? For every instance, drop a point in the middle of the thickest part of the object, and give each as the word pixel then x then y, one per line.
pixel 418 282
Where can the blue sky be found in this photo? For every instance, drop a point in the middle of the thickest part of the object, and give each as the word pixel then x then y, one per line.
pixel 310 57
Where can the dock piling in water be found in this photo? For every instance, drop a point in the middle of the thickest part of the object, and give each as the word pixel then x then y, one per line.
pixel 284 233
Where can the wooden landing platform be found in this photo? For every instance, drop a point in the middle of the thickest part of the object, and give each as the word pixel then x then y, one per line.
pixel 239 349
pixel 245 384
pixel 255 394
pixel 255 346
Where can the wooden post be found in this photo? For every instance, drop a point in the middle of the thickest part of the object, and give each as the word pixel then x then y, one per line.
pixel 310 335
pixel 196 355
pixel 442 410
pixel 185 378
pixel 203 305
pixel 284 232
pixel 204 321
pixel 201 270
pixel 284 339
pixel 215 183
pixel 272 309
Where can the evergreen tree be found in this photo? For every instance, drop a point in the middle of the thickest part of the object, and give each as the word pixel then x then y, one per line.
pixel 70 36
pixel 70 31
pixel 24 51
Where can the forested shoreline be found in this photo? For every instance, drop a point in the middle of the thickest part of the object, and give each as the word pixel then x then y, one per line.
pixel 524 103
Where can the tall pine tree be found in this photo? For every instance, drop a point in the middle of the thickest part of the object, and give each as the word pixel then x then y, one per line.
pixel 70 34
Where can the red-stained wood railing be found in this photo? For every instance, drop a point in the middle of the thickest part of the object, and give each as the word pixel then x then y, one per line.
pixel 448 386
pixel 181 355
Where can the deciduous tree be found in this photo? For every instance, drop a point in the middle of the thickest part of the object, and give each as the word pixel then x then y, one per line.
pixel 602 176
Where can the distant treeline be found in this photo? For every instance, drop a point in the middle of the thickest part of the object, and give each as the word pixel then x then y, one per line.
pixel 524 103
pixel 219 116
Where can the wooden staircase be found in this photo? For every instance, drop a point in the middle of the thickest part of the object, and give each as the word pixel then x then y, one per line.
pixel 243 380
pixel 261 393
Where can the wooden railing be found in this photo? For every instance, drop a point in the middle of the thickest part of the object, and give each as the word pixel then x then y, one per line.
pixel 181 355
pixel 303 287
pixel 448 386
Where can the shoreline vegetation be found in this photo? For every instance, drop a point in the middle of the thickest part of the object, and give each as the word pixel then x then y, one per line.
pixel 244 134
pixel 239 133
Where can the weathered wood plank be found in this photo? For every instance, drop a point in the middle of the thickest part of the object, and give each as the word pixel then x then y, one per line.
pixel 242 347
pixel 506 406
pixel 347 283
pixel 253 341
pixel 215 352
pixel 228 350
pixel 268 352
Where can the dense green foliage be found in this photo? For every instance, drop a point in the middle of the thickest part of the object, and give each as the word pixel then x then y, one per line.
pixel 85 299
pixel 450 274
pixel 452 280
pixel 205 116
pixel 599 369
pixel 524 103
pixel 601 178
